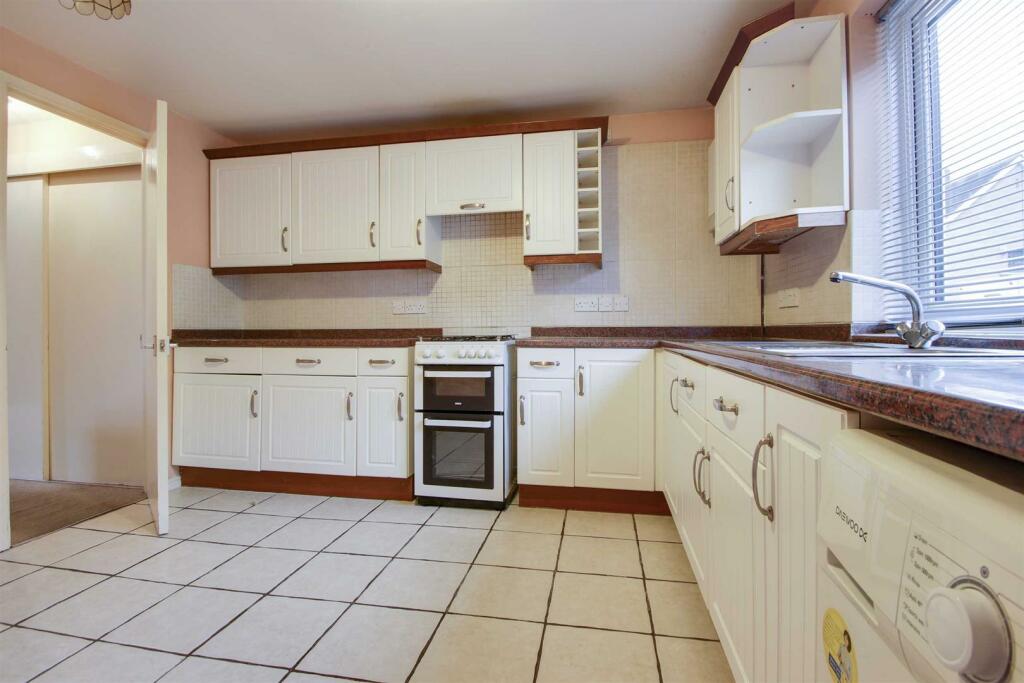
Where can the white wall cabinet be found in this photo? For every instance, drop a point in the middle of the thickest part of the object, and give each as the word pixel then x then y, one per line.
pixel 727 190
pixel 549 193
pixel 217 421
pixel 475 175
pixel 403 205
pixel 384 423
pixel 250 211
pixel 545 422
pixel 309 424
pixel 335 206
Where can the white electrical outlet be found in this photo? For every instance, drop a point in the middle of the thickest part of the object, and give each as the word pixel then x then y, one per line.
pixel 789 298
pixel 416 306
pixel 621 303
pixel 397 307
pixel 586 303
pixel 606 302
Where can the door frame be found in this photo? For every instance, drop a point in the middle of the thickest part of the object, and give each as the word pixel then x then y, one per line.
pixel 68 108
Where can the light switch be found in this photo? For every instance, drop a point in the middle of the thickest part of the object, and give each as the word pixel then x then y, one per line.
pixel 789 298
pixel 621 303
pixel 586 303
pixel 397 307
pixel 606 302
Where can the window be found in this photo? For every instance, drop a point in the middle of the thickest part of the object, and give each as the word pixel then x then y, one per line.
pixel 952 144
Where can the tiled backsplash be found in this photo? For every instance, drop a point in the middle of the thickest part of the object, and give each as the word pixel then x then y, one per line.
pixel 658 251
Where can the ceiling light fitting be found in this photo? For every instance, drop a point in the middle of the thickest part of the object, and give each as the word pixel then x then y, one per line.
pixel 104 9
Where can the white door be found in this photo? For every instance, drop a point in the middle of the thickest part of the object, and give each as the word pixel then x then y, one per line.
pixel 475 175
pixel 549 193
pixel 693 512
pixel 403 202
pixel 5 477
pixel 545 425
pixel 726 161
pixel 217 421
pixel 615 418
pixel 250 211
pixel 335 206
pixel 309 424
pixel 383 424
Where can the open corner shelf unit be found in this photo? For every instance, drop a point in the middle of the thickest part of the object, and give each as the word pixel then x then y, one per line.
pixel 764 234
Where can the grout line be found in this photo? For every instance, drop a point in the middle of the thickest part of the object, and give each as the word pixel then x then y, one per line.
pixel 551 595
pixel 647 600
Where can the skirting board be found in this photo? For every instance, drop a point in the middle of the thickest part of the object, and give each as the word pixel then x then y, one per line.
pixel 387 488
pixel 594 500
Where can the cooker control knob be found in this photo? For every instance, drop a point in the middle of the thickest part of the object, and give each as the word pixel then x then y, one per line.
pixel 439 354
pixel 967 630
pixel 462 353
pixel 489 354
pixel 425 353
pixel 472 353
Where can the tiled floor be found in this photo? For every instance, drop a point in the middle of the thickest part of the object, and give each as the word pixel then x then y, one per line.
pixel 259 587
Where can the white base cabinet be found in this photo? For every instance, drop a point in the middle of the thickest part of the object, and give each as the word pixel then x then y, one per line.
pixel 545 422
pixel 384 425
pixel 217 421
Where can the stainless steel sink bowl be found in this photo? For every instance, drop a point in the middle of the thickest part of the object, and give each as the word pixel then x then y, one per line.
pixel 815 349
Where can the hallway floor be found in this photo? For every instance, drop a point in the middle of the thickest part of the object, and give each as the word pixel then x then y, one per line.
pixel 39 507
pixel 270 587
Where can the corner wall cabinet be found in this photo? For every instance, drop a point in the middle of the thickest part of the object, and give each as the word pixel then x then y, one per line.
pixel 781 127
pixel 318 410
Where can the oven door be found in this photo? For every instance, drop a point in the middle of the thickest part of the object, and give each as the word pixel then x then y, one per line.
pixel 459 388
pixel 458 450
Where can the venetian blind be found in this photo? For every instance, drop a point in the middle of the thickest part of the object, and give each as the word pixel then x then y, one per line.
pixel 952 157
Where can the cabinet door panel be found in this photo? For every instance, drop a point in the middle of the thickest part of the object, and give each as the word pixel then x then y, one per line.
pixel 688 445
pixel 214 424
pixel 402 202
pixel 250 211
pixel 544 420
pixel 727 191
pixel 615 419
pixel 383 439
pixel 549 193
pixel 307 424
pixel 475 175
pixel 335 207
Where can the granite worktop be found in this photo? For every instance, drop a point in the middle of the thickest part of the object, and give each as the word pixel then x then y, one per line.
pixel 305 338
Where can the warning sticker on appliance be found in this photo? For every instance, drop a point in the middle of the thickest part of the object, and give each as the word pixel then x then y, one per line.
pixel 840 653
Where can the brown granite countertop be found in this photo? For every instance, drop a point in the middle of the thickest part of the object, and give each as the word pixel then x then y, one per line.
pixel 304 338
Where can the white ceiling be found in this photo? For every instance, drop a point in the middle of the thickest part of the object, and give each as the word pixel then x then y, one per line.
pixel 252 68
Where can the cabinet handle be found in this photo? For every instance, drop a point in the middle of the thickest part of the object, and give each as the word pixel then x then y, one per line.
pixel 687 383
pixel 307 361
pixel 700 476
pixel 419 234
pixel 579 381
pixel 252 403
pixel 215 360
pixel 473 206
pixel 671 395
pixel 522 409
pixel 544 363
pixel 722 407
pixel 373 227
pixel 698 456
pixel 731 183
pixel 348 406
pixel 526 220
pixel 401 395
pixel 382 361
pixel 768 511
pixel 284 236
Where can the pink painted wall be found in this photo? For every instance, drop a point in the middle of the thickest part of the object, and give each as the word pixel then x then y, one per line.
pixel 697 123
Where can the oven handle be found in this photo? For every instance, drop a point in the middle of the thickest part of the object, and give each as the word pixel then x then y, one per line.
pixel 457 373
pixel 472 424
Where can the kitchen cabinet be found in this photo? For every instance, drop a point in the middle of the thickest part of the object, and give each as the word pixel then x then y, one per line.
pixel 666 431
pixel 405 231
pixel 250 211
pixel 727 190
pixel 217 420
pixel 384 424
pixel 694 517
pixel 549 193
pixel 474 175
pixel 545 422
pixel 309 424
pixel 335 206
pixel 615 418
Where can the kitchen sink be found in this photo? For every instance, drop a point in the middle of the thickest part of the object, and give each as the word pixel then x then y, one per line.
pixel 812 349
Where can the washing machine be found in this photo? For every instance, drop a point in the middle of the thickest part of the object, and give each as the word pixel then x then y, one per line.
pixel 920 562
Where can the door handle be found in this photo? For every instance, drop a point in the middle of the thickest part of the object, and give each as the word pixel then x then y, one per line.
pixel 731 183
pixel 307 361
pixel 544 363
pixel 768 511
pixel 252 403
pixel 373 227
pixel 216 361
pixel 419 234
pixel 723 407
pixel 579 381
pixel 382 361
pixel 472 206
pixel 687 383
pixel 284 235
pixel 471 424
pixel 526 220
pixel 671 395
pixel 398 409
pixel 522 409
pixel 348 406
pixel 698 456
pixel 700 476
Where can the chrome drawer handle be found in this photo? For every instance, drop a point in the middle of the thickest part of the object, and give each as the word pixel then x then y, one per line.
pixel 401 395
pixel 419 235
pixel 473 206
pixel 722 407
pixel 348 406
pixel 373 227
pixel 769 511
pixel 700 477
pixel 698 457
pixel 526 219
pixel 579 381
pixel 215 360
pixel 252 403
pixel 307 361
pixel 522 409
pixel 731 182
pixel 687 383
pixel 284 235
pixel 544 363
pixel 671 395
pixel 382 361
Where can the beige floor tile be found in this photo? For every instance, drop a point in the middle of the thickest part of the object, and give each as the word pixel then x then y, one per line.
pixel 603 524
pixel 401 512
pixel 473 649
pixel 374 538
pixel 243 529
pixel 274 632
pixel 117 554
pixel 617 557
pixel 187 523
pixel 448 544
pixel 255 569
pixel 372 643
pixel 504 592
pixel 184 563
pixel 199 670
pixel 417 584
pixel 333 577
pixel 306 534
pixel 105 662
pixel 121 520
pixel 102 608
pixel 678 610
pixel 184 496
pixel 296 677
pixel 519 549
pixel 25 654
pixel 56 546
pixel 657 528
pixel 232 501
pixel 685 661
pixel 351 509
pixel 470 518
pixel 9 571
pixel 600 601
pixel 286 505
pixel 579 655
pixel 666 561
pixel 24 597
pixel 535 520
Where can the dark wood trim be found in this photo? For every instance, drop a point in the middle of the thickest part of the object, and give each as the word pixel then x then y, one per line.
pixel 562 259
pixel 595 500
pixel 419 264
pixel 744 37
pixel 387 488
pixel 766 236
pixel 411 136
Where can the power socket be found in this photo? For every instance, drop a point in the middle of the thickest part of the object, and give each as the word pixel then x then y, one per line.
pixel 586 304
pixel 416 306
pixel 621 303
pixel 606 302
pixel 789 298
pixel 398 307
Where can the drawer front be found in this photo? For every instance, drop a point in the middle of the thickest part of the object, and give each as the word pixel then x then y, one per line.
pixel 693 385
pixel 312 361
pixel 222 360
pixel 541 363
pixel 735 406
pixel 390 362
